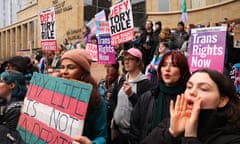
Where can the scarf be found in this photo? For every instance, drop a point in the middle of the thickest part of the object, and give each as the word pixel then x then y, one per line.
pixel 161 105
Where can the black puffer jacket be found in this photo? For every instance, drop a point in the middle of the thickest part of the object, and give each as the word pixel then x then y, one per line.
pixel 9 115
pixel 213 128
pixel 141 119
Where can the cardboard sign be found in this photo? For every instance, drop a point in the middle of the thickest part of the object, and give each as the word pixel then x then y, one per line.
pixel 121 22
pixel 207 48
pixel 106 52
pixel 92 49
pixel 54 110
pixel 48 29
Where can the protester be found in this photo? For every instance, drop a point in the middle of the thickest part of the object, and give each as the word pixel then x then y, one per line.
pixel 179 37
pixel 126 93
pixel 3 66
pixel 65 45
pixel 186 44
pixel 165 34
pixel 17 63
pixel 139 37
pixel 75 65
pixel 86 32
pixel 152 107
pixel 31 68
pixel 151 70
pixel 38 56
pixel 94 39
pixel 158 29
pixel 106 86
pixel 147 44
pixel 56 59
pixel 43 64
pixel 12 92
pixel 208 112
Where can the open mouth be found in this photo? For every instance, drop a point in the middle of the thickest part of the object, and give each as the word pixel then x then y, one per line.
pixel 189 104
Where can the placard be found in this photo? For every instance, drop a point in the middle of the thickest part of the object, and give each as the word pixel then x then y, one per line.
pixel 92 49
pixel 106 52
pixel 54 110
pixel 121 22
pixel 48 29
pixel 207 48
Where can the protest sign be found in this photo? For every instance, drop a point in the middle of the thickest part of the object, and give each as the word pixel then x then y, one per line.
pixel 235 76
pixel 106 52
pixel 48 29
pixel 54 110
pixel 207 48
pixel 92 25
pixel 121 22
pixel 92 49
pixel 102 27
pixel 237 36
pixel 100 16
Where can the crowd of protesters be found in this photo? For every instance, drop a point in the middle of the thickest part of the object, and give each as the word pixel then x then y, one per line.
pixel 153 99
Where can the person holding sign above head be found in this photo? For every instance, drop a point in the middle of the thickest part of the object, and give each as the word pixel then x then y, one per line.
pixel 152 106
pixel 207 113
pixel 75 65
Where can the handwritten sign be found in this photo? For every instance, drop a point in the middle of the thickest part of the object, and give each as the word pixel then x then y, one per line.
pixel 92 49
pixel 54 110
pixel 106 52
pixel 48 29
pixel 121 22
pixel 207 48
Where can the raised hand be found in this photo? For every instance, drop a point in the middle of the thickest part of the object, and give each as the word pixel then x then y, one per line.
pixel 192 122
pixel 81 140
pixel 127 88
pixel 178 115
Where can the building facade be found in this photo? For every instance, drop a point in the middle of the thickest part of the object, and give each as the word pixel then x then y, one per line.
pixel 24 34
pixel 70 17
pixel 8 9
pixel 199 11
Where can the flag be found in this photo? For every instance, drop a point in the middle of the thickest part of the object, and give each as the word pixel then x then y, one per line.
pixel 184 11
pixel 100 16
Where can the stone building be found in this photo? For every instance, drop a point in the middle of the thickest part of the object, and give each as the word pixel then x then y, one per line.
pixel 24 34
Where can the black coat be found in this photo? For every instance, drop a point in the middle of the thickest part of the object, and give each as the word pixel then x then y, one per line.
pixel 213 128
pixel 142 115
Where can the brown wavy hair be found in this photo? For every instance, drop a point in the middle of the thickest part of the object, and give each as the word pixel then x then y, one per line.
pixel 95 98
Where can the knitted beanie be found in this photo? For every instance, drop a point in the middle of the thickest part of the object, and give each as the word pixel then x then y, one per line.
pixel 79 56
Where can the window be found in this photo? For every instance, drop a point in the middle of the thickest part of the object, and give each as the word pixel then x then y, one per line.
pixel 163 5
